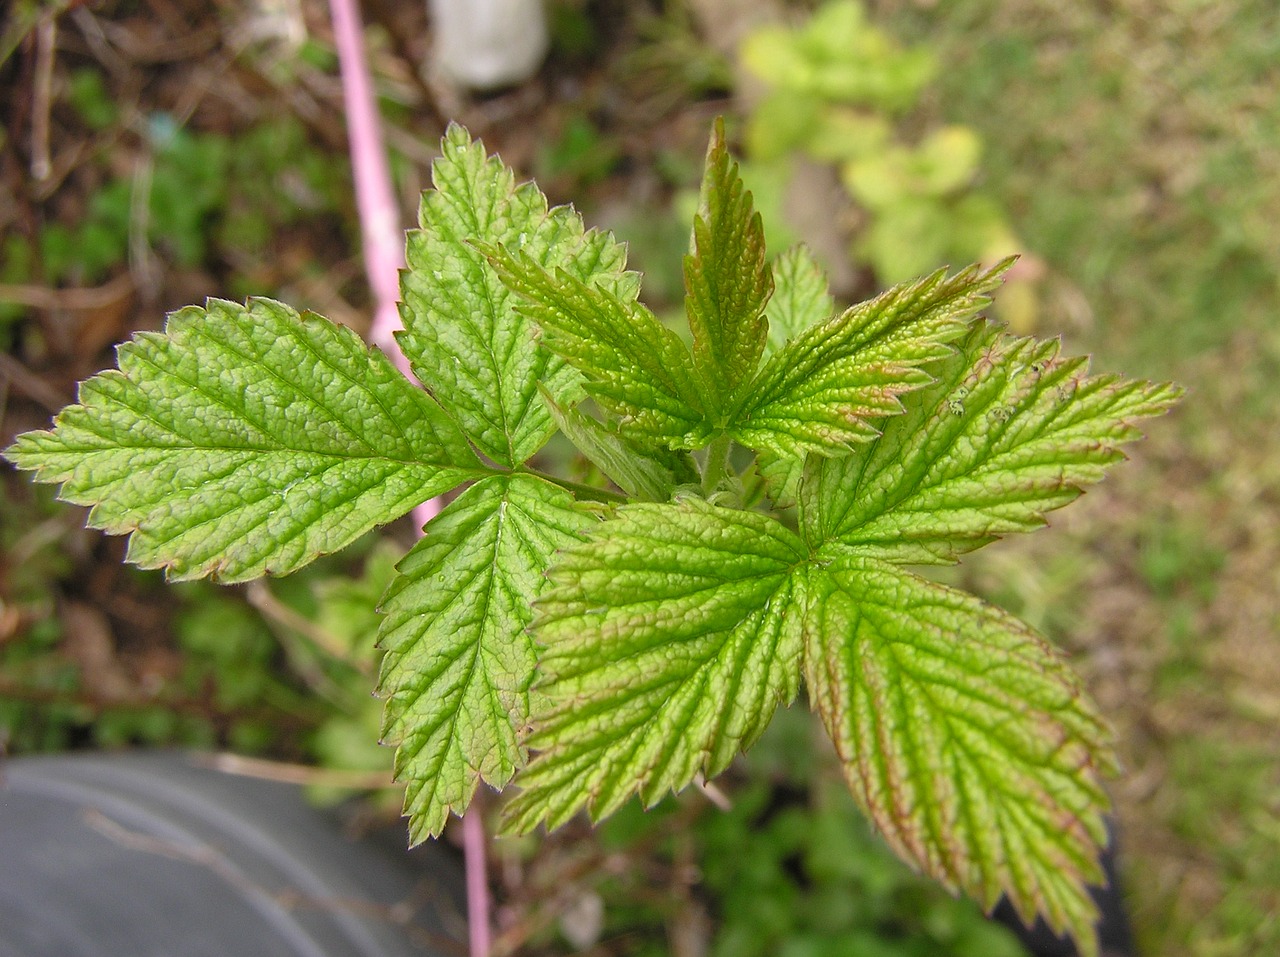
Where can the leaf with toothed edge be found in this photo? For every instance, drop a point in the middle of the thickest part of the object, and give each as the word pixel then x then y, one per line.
pixel 247 440
pixel 800 300
pixel 459 661
pixel 463 336
pixel 1009 431
pixel 670 638
pixel 965 738
pixel 782 475
pixel 633 366
pixel 727 279
pixel 824 390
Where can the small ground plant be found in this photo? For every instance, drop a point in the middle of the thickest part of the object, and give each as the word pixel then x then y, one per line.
pixel 770 488
pixel 842 92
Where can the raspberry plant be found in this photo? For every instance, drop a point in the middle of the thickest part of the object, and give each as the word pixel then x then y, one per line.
pixel 770 490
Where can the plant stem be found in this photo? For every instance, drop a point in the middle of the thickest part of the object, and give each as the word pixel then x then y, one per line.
pixel 375 198
pixel 577 488
pixel 473 847
pixel 380 224
pixel 717 462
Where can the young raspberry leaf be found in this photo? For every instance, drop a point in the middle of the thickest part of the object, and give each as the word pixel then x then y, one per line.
pixel 634 367
pixel 727 278
pixel 247 440
pixel 459 660
pixel 964 737
pixel 463 336
pixel 801 299
pixel 645 474
pixel 824 390
pixel 671 636
pixel 1009 431
pixel 781 475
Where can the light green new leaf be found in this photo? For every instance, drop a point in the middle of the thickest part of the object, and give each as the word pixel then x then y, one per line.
pixel 463 336
pixel 671 636
pixel 782 475
pixel 646 474
pixel 727 278
pixel 801 299
pixel 634 366
pixel 964 737
pixel 823 390
pixel 247 440
pixel 1009 431
pixel 459 661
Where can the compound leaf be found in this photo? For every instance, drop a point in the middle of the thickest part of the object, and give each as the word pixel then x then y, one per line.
pixel 247 440
pixel 822 391
pixel 964 737
pixel 801 299
pixel 1009 431
pixel 727 277
pixel 634 367
pixel 459 661
pixel 671 636
pixel 463 336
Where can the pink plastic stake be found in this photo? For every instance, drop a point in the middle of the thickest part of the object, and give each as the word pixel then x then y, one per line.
pixel 473 846
pixel 383 258
pixel 379 216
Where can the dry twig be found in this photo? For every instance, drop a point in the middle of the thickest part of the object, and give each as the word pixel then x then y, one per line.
pixel 287 773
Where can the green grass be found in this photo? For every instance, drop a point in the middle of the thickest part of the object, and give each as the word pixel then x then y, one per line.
pixel 1137 147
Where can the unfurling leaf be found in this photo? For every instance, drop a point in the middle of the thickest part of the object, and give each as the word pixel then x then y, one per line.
pixel 727 279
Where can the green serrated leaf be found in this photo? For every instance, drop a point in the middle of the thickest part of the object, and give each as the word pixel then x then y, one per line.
pixel 641 473
pixel 964 737
pixel 459 661
pixel 247 440
pixel 635 368
pixel 801 299
pixel 727 278
pixel 1009 431
pixel 823 391
pixel 782 475
pixel 671 636
pixel 463 336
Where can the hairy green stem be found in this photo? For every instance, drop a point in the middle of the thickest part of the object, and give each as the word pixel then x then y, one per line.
pixel 716 464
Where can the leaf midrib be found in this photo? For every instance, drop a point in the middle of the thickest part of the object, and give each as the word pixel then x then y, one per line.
pixel 469 471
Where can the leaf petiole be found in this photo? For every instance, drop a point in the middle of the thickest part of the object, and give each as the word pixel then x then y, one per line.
pixel 716 463
pixel 589 492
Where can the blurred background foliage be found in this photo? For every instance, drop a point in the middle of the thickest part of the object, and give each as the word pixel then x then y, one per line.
pixel 154 152
pixel 837 89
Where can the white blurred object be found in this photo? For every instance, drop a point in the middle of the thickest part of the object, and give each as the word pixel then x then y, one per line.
pixel 482 44
pixel 275 23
